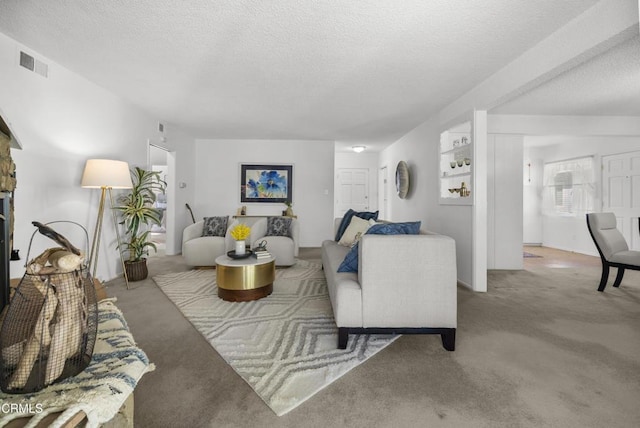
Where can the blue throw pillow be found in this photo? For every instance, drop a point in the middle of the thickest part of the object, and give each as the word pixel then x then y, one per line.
pixel 408 228
pixel 350 262
pixel 346 219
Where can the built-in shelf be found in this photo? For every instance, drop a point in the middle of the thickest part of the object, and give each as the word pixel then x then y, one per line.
pixel 464 148
pixel 456 184
pixel 459 174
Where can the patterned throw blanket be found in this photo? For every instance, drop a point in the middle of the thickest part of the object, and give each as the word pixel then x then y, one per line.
pixel 100 390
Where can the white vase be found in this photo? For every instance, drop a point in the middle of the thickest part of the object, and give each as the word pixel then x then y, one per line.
pixel 240 248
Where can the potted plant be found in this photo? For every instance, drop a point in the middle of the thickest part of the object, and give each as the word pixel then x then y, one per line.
pixel 240 233
pixel 137 212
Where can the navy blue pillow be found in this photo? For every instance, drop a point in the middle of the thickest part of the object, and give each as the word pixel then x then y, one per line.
pixel 408 228
pixel 350 262
pixel 366 215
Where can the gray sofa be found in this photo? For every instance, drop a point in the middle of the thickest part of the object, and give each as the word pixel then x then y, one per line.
pixel 404 284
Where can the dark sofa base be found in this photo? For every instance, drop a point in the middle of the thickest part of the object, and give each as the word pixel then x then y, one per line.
pixel 448 335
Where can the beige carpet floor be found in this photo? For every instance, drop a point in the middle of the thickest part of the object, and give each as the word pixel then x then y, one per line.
pixel 541 349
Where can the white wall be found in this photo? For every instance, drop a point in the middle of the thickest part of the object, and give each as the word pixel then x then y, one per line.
pixel 217 189
pixel 420 149
pixel 368 161
pixel 505 201
pixel 61 121
pixel 571 233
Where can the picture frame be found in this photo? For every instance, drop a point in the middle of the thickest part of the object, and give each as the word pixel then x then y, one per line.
pixel 266 183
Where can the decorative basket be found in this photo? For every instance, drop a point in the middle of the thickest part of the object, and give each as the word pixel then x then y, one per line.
pixel 136 271
pixel 50 327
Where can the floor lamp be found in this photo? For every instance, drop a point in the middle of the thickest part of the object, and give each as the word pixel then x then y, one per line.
pixel 105 174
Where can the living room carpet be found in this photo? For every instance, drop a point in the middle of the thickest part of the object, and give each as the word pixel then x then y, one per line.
pixel 284 345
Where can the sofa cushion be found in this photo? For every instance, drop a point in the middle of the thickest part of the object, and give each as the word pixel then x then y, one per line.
pixel 356 228
pixel 344 289
pixel 350 262
pixel 366 215
pixel 278 226
pixel 215 226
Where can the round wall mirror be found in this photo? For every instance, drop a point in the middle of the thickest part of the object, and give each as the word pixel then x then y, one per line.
pixel 402 179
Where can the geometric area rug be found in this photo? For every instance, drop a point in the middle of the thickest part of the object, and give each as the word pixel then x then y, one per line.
pixel 284 345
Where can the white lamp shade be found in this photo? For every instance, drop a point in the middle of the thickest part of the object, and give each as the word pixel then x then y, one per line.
pixel 106 173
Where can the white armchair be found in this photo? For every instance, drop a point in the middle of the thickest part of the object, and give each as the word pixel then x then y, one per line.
pixel 199 250
pixel 283 248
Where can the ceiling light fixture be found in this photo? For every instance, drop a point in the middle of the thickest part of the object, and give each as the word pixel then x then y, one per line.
pixel 358 149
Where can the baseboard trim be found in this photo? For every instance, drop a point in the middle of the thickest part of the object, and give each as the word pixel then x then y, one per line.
pixel 464 284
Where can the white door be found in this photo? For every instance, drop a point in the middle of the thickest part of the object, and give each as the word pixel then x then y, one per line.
pixel 621 193
pixel 353 190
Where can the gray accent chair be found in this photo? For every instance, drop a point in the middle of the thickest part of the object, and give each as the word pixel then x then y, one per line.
pixel 612 247
pixel 202 251
pixel 284 248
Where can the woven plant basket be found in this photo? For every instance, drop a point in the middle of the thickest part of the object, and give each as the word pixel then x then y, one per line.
pixel 136 271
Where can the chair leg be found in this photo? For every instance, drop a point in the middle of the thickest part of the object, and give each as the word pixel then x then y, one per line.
pixel 619 277
pixel 605 277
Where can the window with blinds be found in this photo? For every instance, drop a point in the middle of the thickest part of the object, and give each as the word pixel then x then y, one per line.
pixel 569 187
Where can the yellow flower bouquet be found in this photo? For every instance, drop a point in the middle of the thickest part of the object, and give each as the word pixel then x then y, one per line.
pixel 240 232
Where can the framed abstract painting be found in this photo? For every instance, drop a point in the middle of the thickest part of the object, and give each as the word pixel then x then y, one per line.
pixel 266 183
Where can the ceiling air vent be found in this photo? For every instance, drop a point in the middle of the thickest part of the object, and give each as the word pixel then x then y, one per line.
pixel 32 64
pixel 27 61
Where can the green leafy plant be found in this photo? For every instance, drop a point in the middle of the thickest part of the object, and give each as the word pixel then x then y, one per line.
pixel 137 211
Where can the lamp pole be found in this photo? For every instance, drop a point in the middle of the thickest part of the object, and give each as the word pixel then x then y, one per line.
pixel 95 248
pixel 97 233
pixel 115 225
pixel 106 175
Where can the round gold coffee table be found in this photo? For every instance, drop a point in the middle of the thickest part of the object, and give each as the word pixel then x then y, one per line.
pixel 242 280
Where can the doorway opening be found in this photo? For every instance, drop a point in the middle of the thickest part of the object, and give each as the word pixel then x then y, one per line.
pixel 564 179
pixel 159 162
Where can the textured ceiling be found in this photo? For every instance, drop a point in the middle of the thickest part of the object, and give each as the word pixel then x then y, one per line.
pixel 357 71
pixel 608 85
